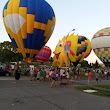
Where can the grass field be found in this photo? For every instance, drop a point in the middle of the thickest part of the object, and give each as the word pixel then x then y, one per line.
pixel 99 91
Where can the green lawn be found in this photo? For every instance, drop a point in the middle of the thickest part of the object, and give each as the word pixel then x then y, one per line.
pixel 100 92
pixel 104 86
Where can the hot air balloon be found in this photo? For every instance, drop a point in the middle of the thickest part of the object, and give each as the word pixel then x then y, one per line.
pixel 79 48
pixel 43 55
pixel 29 24
pixel 60 57
pixel 101 45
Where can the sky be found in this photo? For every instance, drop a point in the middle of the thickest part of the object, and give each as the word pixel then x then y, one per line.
pixel 85 16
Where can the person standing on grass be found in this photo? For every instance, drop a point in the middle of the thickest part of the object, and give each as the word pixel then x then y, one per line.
pixel 90 75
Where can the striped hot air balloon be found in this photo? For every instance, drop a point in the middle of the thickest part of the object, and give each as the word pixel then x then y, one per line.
pixel 29 24
pixel 44 54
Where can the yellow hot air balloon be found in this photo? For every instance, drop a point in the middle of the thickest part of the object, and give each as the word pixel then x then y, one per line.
pixel 79 48
pixel 29 24
pixel 60 56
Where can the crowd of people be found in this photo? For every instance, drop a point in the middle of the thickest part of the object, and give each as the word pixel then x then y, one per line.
pixel 49 74
pixel 64 75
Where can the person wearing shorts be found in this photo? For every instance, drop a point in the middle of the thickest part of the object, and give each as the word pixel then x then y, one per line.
pixel 90 75
pixel 53 76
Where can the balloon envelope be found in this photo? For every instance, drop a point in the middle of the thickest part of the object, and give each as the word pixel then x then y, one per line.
pixel 101 45
pixel 44 54
pixel 29 24
pixel 80 48
pixel 60 56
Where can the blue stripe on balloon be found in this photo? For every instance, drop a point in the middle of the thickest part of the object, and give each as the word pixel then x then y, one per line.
pixel 31 7
pixel 40 8
pixel 39 11
pixel 51 10
pixel 23 3
pixel 38 39
pixel 51 14
pixel 35 41
pixel 43 12
pixel 28 41
pixel 13 42
pixel 47 13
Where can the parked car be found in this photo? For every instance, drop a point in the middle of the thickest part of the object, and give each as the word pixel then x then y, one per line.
pixel 4 72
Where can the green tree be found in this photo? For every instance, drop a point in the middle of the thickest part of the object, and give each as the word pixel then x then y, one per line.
pixel 96 64
pixel 84 63
pixel 8 53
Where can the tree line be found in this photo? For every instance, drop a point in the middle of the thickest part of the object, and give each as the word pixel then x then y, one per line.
pixel 8 53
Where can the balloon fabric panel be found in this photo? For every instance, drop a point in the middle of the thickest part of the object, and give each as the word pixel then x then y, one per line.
pixel 81 45
pixel 103 54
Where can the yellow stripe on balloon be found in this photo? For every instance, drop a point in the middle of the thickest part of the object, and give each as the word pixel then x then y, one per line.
pixel 28 50
pixel 43 26
pixel 53 21
pixel 5 13
pixel 48 30
pixel 12 35
pixel 49 23
pixel 30 23
pixel 12 6
pixel 39 25
pixel 23 13
pixel 9 7
pixel 15 6
pixel 20 44
pixel 19 35
pixel 9 11
pixel 20 51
